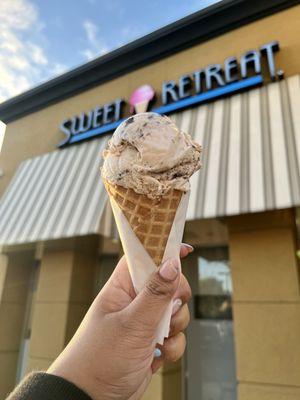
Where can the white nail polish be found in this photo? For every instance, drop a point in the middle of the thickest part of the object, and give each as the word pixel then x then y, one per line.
pixel 157 353
pixel 176 306
pixel 190 248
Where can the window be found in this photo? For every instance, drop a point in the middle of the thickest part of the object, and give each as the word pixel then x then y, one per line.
pixel 210 356
pixel 213 300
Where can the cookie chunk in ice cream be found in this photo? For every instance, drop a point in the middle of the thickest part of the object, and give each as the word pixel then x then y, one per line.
pixel 149 154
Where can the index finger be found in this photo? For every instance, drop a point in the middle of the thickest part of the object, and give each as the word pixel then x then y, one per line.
pixel 185 249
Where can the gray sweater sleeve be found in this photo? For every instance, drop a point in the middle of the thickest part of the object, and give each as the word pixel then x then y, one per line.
pixel 43 386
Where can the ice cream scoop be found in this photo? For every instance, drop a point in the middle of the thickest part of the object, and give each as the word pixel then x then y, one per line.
pixel 149 154
pixel 146 173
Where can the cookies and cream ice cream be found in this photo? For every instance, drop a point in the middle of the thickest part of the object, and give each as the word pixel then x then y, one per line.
pixel 149 154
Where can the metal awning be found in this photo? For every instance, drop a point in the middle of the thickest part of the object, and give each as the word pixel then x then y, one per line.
pixel 251 163
pixel 56 195
pixel 251 151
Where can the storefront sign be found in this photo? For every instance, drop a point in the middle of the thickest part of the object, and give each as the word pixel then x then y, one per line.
pixel 201 86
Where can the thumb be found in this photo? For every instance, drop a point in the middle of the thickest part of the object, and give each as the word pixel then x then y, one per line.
pixel 150 304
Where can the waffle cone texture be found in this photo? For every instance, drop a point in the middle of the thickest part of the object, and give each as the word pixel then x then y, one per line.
pixel 150 219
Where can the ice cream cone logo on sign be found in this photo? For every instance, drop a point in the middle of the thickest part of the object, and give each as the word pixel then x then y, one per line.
pixel 140 99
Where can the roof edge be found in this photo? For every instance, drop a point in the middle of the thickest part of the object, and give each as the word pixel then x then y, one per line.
pixel 184 33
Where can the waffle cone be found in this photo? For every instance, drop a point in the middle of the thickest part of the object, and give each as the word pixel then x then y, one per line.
pixel 150 219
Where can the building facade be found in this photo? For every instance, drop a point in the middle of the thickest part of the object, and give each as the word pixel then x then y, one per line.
pixel 230 76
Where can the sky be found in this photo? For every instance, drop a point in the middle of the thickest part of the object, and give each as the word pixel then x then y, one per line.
pixel 40 39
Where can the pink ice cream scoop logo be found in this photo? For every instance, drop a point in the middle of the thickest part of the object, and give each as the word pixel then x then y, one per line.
pixel 140 99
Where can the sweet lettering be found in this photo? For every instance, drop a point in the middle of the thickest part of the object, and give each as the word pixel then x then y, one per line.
pixel 97 117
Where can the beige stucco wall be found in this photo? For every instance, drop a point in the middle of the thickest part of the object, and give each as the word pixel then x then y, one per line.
pixel 266 305
pixel 166 383
pixel 39 132
pixel 64 293
pixel 15 275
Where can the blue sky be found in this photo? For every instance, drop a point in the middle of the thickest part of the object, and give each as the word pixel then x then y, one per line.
pixel 40 39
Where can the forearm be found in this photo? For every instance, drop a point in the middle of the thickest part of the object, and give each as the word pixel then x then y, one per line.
pixel 43 386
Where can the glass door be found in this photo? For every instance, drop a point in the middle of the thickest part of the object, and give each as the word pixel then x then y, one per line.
pixel 210 357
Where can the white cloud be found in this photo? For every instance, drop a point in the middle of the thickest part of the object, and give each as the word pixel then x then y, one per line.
pixel 18 13
pixel 23 62
pixel 37 54
pixel 96 45
pixel 58 69
pixel 20 58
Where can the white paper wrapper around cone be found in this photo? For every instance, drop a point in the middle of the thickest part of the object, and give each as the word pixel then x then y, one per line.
pixel 140 264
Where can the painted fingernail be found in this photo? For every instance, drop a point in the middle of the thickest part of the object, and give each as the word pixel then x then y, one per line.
pixel 189 247
pixel 157 353
pixel 176 306
pixel 169 270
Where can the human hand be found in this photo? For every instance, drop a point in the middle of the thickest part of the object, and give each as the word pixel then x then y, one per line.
pixel 111 356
